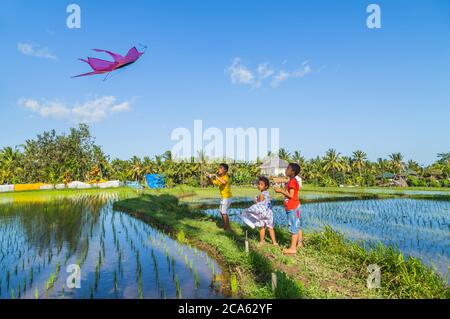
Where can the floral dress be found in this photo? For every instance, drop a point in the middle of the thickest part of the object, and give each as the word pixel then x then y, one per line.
pixel 259 214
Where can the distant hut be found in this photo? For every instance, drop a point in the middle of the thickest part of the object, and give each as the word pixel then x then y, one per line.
pixel 390 179
pixel 274 168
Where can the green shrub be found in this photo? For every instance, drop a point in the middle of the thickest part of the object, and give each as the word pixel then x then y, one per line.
pixel 413 181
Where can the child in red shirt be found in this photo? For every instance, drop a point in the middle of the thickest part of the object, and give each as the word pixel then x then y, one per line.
pixel 292 207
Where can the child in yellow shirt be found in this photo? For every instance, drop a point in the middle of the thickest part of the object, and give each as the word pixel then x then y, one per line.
pixel 222 180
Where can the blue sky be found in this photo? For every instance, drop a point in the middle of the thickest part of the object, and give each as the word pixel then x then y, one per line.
pixel 311 68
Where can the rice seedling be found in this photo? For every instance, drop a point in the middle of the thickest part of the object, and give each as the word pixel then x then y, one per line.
pixel 140 286
pixel 8 277
pixel 177 287
pixel 50 282
pixel 36 294
pixel 115 281
pixel 196 279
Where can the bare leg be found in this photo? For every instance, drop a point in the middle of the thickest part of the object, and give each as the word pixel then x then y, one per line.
pixel 272 236
pixel 300 238
pixel 226 222
pixel 262 234
pixel 293 248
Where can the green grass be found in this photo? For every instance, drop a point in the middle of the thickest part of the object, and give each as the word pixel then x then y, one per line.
pixel 49 195
pixel 328 266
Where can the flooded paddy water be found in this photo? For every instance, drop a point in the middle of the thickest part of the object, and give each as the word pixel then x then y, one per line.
pixel 119 256
pixel 417 227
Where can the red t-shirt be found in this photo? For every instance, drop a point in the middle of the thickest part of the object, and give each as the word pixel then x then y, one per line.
pixel 294 202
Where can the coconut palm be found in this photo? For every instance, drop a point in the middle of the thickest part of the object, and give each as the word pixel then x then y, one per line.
pixel 396 162
pixel 284 154
pixel 135 170
pixel 359 161
pixel 298 158
pixel 332 162
pixel 444 158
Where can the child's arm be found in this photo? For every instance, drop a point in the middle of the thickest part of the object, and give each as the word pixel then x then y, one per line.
pixel 221 181
pixel 289 194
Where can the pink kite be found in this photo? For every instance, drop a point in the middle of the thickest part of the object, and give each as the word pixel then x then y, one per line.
pixel 102 66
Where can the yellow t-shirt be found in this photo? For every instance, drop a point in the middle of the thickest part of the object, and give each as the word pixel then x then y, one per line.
pixel 225 190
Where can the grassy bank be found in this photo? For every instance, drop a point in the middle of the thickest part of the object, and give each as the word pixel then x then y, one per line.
pixel 328 267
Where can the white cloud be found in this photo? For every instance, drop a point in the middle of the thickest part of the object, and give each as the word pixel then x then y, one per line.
pixel 279 78
pixel 241 74
pixel 91 111
pixel 283 75
pixel 36 51
pixel 265 71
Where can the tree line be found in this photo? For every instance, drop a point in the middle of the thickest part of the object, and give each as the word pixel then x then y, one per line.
pixel 52 158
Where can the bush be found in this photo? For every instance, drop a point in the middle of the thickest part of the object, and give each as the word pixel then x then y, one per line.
pixel 434 183
pixel 328 182
pixel 413 181
pixel 192 181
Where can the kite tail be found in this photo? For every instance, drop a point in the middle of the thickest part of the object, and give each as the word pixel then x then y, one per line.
pixel 85 74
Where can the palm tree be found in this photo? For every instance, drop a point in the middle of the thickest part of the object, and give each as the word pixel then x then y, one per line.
pixel 396 162
pixel 332 162
pixel 284 154
pixel 444 158
pixel 298 158
pixel 135 170
pixel 147 165
pixel 359 161
pixel 8 164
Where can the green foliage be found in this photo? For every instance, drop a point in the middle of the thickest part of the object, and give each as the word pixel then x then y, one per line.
pixel 233 283
pixel 181 237
pixel 53 158
pixel 405 278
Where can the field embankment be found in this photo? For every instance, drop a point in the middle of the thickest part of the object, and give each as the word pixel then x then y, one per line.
pixel 328 267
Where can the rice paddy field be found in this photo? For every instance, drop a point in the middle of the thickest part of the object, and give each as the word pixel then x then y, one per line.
pixel 119 256
pixel 417 227
pixel 123 256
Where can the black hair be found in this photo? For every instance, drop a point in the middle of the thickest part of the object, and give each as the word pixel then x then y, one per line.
pixel 265 180
pixel 225 166
pixel 295 167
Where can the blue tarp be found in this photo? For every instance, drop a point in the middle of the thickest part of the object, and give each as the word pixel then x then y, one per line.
pixel 155 181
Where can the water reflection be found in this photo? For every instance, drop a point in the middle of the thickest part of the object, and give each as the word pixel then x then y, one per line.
pixel 419 228
pixel 119 256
